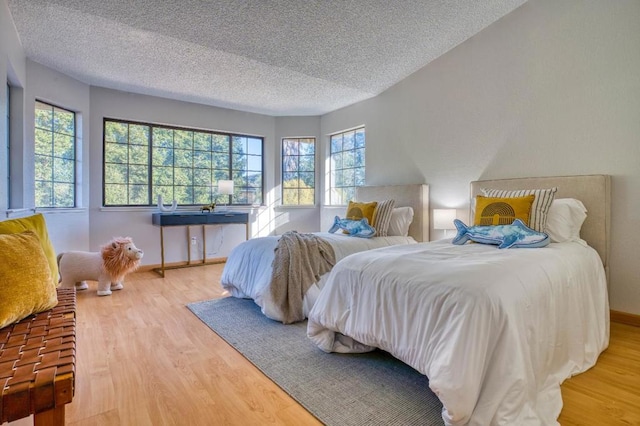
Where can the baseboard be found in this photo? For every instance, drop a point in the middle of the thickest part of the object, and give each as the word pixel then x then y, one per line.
pixel 184 264
pixel 625 318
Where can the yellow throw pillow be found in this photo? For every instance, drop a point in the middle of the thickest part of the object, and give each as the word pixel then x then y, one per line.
pixel 502 211
pixel 37 224
pixel 25 278
pixel 539 208
pixel 356 211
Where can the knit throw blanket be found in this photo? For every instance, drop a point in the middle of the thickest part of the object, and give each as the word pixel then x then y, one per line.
pixel 300 260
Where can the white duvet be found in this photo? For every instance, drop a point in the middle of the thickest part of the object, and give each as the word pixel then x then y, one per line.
pixel 495 331
pixel 247 272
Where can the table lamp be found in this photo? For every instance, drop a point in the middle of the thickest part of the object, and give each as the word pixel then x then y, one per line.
pixel 443 219
pixel 225 187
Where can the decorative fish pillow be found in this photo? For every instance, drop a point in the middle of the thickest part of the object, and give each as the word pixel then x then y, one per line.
pixel 354 228
pixel 516 235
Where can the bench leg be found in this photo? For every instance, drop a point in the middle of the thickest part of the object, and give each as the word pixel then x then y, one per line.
pixel 53 417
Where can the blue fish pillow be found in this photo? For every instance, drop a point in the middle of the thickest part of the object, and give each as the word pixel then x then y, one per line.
pixel 354 228
pixel 516 235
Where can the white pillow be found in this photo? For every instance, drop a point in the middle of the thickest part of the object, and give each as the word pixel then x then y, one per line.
pixel 564 220
pixel 401 218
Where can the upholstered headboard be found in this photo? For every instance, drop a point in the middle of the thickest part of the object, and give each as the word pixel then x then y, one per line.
pixel 593 190
pixel 415 196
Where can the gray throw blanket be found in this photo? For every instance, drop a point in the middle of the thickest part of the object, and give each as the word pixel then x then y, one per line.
pixel 300 260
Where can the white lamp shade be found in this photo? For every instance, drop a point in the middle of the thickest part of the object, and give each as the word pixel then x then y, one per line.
pixel 225 187
pixel 443 218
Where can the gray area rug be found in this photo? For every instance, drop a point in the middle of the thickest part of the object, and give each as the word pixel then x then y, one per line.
pixel 339 389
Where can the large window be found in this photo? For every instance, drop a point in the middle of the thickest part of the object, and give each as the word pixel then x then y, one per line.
pixel 143 161
pixel 347 165
pixel 55 153
pixel 298 171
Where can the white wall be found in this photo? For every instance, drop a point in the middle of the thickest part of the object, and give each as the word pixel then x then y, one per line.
pixel 13 70
pixel 551 89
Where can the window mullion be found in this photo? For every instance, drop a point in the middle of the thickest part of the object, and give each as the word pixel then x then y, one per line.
pixel 150 166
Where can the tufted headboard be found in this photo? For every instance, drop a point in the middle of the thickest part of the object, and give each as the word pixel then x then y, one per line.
pixel 415 196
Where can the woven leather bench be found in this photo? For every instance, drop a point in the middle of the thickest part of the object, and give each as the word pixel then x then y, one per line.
pixel 37 364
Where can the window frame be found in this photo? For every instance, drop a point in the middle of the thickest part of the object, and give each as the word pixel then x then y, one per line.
pixel 74 138
pixel 8 200
pixel 332 171
pixel 231 170
pixel 297 139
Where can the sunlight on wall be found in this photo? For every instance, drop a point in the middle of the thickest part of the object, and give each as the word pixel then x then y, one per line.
pixel 264 223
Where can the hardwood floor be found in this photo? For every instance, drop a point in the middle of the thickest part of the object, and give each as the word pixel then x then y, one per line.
pixel 144 359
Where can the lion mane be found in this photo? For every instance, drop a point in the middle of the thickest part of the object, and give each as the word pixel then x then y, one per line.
pixel 119 257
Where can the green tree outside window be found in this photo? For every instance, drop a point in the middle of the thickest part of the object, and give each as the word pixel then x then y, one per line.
pixel 298 171
pixel 55 156
pixel 143 161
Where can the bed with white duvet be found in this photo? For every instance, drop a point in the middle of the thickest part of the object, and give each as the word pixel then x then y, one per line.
pixel 248 269
pixel 495 331
pixel 247 273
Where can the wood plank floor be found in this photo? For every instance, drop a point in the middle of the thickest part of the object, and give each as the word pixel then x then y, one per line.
pixel 144 359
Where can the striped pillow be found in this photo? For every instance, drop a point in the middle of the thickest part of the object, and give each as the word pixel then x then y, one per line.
pixel 539 208
pixel 382 217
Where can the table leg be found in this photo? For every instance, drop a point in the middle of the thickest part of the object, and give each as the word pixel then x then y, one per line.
pixel 204 244
pixel 188 245
pixel 53 417
pixel 162 251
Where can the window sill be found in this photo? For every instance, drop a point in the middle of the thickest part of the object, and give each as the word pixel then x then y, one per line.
pixel 294 207
pixel 61 210
pixel 155 209
pixel 46 210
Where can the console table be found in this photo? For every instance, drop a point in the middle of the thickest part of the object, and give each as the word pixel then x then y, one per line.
pixel 189 219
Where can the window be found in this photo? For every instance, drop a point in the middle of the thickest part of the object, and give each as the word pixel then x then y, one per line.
pixel 143 161
pixel 55 153
pixel 346 165
pixel 246 169
pixel 298 171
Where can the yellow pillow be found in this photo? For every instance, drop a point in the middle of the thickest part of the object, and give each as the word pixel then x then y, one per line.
pixel 356 211
pixel 502 211
pixel 37 224
pixel 25 278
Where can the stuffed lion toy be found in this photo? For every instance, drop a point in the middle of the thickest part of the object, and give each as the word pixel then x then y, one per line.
pixel 108 266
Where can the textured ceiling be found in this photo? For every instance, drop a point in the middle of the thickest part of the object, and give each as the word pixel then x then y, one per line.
pixel 281 57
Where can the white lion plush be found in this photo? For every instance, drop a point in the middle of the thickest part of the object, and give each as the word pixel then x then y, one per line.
pixel 108 266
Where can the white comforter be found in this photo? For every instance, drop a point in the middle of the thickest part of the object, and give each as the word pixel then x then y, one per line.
pixel 495 331
pixel 247 272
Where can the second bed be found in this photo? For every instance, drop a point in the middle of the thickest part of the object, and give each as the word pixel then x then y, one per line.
pixel 249 267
